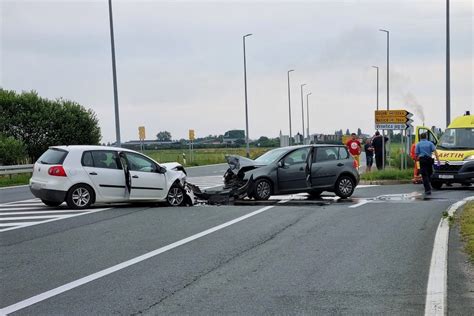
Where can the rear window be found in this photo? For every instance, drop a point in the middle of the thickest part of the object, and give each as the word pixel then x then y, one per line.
pixel 53 156
pixel 101 159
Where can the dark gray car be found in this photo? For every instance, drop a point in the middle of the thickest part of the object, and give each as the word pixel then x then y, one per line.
pixel 296 169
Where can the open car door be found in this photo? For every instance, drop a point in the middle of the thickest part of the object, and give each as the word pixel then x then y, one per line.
pixel 423 129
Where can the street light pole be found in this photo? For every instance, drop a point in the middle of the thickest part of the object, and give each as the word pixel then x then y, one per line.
pixel 114 74
pixel 307 115
pixel 302 108
pixel 388 68
pixel 289 103
pixel 246 105
pixel 377 86
pixel 448 69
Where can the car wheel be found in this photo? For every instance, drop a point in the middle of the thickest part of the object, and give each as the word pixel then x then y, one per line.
pixel 51 203
pixel 436 185
pixel 80 196
pixel 344 187
pixel 175 196
pixel 263 189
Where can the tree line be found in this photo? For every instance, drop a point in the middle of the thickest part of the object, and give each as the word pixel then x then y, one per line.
pixel 29 124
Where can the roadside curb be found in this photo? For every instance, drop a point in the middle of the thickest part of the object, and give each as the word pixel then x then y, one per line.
pixel 384 182
pixel 15 186
pixel 436 290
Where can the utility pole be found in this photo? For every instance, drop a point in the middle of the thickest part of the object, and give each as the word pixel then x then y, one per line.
pixel 246 105
pixel 114 74
pixel 448 69
pixel 289 103
pixel 302 109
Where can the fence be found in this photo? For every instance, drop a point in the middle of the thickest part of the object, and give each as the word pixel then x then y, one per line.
pixel 17 169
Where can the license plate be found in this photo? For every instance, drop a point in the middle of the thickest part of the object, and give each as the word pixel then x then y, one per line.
pixel 443 176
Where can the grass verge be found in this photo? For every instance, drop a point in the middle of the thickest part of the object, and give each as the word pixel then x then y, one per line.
pixel 388 174
pixel 15 179
pixel 467 228
pixel 202 156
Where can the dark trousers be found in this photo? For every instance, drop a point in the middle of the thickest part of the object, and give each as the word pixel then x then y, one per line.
pixel 379 160
pixel 426 171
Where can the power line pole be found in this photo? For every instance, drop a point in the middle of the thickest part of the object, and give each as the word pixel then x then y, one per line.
pixel 246 105
pixel 289 103
pixel 114 74
pixel 448 69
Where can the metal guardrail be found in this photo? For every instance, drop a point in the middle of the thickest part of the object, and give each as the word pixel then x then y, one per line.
pixel 16 169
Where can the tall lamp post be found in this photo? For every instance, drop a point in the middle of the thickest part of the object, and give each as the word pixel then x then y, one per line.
pixel 246 105
pixel 388 93
pixel 388 67
pixel 448 70
pixel 377 86
pixel 114 74
pixel 302 109
pixel 307 115
pixel 289 103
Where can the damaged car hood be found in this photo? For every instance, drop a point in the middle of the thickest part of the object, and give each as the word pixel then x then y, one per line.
pixel 236 163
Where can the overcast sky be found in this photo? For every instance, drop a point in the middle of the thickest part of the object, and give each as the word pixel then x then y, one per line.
pixel 180 63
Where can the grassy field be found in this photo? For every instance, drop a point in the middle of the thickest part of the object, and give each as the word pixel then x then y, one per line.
pixel 467 228
pixel 16 179
pixel 388 174
pixel 202 156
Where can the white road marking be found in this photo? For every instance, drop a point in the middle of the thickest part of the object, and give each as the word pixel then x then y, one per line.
pixel 362 202
pixel 19 225
pixel 52 211
pixel 15 186
pixel 436 290
pixel 92 277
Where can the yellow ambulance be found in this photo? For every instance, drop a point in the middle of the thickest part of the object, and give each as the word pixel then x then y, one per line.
pixel 456 152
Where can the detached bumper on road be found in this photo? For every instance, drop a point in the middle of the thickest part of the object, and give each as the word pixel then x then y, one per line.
pixel 49 195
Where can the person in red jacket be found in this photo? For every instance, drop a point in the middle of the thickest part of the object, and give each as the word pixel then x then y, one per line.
pixel 354 147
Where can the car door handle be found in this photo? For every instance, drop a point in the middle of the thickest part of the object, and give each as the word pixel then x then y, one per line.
pixel 135 177
pixel 93 173
pixel 301 169
pixel 340 164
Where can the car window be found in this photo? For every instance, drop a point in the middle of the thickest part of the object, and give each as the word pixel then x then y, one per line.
pixel 343 154
pixel 296 157
pixel 87 160
pixel 326 154
pixel 430 135
pixel 140 163
pixel 106 159
pixel 53 156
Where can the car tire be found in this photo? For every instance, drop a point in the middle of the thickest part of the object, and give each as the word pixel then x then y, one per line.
pixel 436 185
pixel 263 189
pixel 80 196
pixel 51 203
pixel 176 196
pixel 345 186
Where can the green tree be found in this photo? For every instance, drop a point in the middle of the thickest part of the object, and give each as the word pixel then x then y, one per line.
pixel 12 151
pixel 40 123
pixel 163 136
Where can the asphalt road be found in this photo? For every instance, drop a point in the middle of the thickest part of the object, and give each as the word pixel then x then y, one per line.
pixel 367 255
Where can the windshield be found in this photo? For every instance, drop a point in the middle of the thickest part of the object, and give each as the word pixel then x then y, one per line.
pixel 458 138
pixel 271 156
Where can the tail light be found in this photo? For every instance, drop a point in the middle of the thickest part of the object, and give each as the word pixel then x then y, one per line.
pixel 57 171
pixel 355 164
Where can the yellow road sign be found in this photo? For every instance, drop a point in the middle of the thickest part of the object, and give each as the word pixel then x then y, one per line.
pixel 388 119
pixel 141 132
pixel 191 134
pixel 392 113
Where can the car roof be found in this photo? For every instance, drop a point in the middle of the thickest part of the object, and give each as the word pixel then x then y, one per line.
pixel 90 147
pixel 313 145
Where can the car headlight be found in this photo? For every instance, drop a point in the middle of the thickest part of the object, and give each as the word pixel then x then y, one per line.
pixel 471 157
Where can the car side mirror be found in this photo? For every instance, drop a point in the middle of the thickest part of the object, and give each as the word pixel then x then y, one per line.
pixel 281 164
pixel 160 169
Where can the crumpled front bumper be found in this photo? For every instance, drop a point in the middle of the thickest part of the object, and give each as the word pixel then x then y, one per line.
pixel 231 191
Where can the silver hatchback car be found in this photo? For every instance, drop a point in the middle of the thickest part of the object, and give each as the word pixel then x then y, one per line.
pixel 296 169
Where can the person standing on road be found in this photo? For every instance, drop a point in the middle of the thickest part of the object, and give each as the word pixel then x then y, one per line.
pixel 354 148
pixel 378 144
pixel 424 151
pixel 369 154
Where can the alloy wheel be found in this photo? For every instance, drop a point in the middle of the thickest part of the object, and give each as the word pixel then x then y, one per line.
pixel 175 196
pixel 263 189
pixel 345 186
pixel 80 197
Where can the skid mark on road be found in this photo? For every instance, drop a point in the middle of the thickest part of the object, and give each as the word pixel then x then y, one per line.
pixel 21 214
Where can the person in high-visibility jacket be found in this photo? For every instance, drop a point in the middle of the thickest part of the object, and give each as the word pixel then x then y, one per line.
pixel 416 169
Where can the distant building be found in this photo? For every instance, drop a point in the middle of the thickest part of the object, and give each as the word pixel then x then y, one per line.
pixel 232 136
